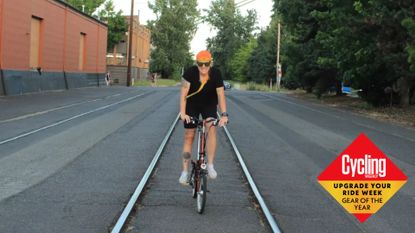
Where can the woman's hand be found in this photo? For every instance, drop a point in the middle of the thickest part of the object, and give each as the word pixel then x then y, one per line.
pixel 223 121
pixel 185 118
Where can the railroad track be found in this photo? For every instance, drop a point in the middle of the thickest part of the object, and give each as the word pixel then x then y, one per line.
pixel 122 222
pixel 123 218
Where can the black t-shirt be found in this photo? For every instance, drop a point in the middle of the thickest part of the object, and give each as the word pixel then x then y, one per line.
pixel 207 96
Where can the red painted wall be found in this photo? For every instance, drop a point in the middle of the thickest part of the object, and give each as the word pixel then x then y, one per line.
pixel 61 28
pixel 1 27
pixel 52 28
pixel 102 49
pixel 16 35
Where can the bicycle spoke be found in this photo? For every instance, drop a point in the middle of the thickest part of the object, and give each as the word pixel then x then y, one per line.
pixel 201 195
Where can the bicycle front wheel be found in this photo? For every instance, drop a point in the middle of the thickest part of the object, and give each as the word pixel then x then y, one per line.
pixel 201 194
pixel 196 186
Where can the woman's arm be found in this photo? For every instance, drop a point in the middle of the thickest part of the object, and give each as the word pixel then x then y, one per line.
pixel 220 91
pixel 183 93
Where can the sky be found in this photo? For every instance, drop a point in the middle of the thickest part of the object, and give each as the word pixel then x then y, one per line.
pixel 263 8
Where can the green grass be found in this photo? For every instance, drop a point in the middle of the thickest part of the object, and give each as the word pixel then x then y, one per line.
pixel 251 86
pixel 158 83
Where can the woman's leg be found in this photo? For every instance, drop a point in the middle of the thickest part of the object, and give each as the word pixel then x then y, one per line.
pixel 189 135
pixel 211 144
pixel 211 151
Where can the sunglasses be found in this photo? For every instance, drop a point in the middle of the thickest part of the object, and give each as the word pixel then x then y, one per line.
pixel 200 64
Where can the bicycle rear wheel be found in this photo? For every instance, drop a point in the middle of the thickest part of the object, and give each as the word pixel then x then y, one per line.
pixel 201 194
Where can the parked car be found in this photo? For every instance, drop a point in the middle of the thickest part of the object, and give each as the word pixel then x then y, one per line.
pixel 227 85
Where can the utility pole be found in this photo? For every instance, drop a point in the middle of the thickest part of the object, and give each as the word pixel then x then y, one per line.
pixel 278 65
pixel 130 45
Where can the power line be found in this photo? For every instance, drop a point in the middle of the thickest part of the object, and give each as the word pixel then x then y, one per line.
pixel 243 3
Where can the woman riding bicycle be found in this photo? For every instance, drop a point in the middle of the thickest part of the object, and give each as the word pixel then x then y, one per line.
pixel 202 90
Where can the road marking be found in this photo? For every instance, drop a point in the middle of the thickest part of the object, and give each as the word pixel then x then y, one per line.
pixel 34 163
pixel 43 112
pixel 53 109
pixel 66 120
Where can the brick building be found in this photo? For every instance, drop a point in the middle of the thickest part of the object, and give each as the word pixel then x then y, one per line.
pixel 49 45
pixel 117 58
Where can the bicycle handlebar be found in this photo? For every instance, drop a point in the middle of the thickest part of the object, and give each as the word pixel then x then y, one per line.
pixel 197 121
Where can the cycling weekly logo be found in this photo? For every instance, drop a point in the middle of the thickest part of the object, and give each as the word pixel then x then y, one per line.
pixel 362 179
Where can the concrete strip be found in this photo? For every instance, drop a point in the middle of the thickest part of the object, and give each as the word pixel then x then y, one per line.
pixel 31 165
pixel 314 133
pixel 169 207
pixel 54 109
pixel 405 135
pixel 68 119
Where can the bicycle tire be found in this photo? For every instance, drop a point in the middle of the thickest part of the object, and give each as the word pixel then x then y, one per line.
pixel 195 186
pixel 201 195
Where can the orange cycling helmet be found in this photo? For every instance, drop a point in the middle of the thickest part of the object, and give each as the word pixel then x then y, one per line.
pixel 204 56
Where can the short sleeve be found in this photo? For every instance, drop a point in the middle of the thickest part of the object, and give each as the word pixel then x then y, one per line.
pixel 186 75
pixel 218 78
pixel 189 74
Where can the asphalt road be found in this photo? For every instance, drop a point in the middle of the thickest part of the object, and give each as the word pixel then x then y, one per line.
pixel 287 143
pixel 169 207
pixel 78 175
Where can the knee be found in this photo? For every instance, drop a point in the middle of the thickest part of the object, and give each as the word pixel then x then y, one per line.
pixel 189 136
pixel 186 155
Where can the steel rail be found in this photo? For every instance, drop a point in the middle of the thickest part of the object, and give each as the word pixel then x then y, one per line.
pixel 271 221
pixel 128 208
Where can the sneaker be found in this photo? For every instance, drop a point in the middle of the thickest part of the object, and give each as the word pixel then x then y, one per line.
pixel 211 171
pixel 184 178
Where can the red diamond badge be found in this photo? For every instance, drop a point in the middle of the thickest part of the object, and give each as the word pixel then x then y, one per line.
pixel 362 178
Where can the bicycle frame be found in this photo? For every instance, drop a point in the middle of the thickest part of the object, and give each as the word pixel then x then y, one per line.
pixel 199 166
pixel 201 145
pixel 198 177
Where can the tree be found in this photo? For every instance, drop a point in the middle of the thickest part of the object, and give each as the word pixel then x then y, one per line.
pixel 302 28
pixel 372 55
pixel 263 57
pixel 240 62
pixel 115 21
pixel 233 31
pixel 117 26
pixel 87 6
pixel 366 44
pixel 171 34
pixel 409 24
pixel 393 43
